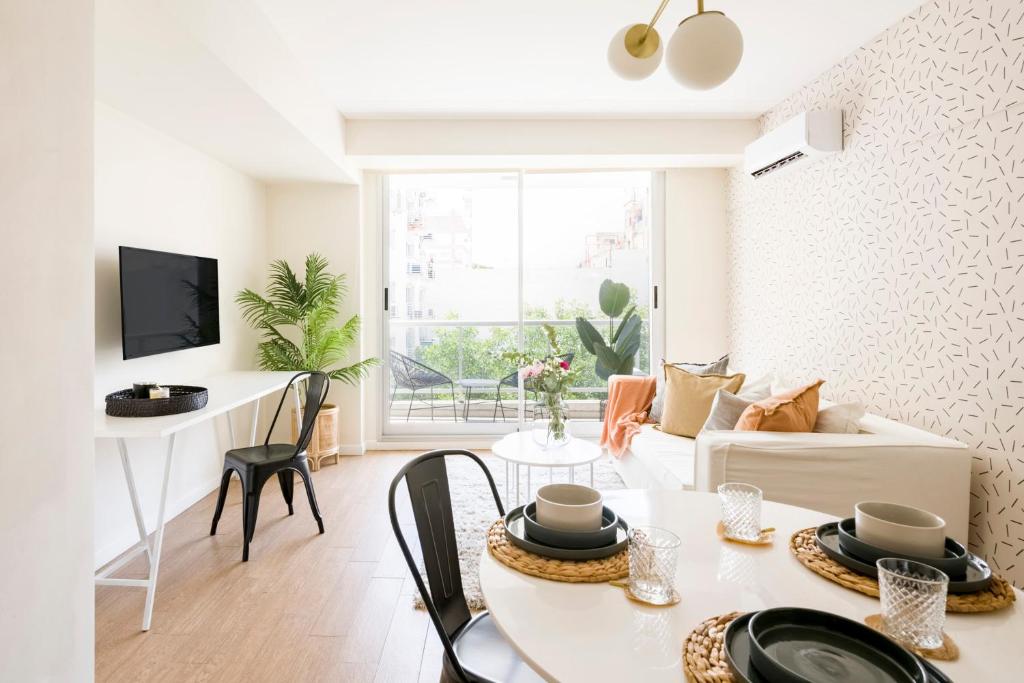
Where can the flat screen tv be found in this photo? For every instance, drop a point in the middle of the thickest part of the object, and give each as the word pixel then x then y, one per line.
pixel 168 302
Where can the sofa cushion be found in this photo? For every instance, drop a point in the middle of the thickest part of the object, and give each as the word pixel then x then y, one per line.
pixel 688 399
pixel 791 411
pixel 657 460
pixel 840 418
pixel 725 411
pixel 715 367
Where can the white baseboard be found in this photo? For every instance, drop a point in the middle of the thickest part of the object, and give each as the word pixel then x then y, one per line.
pixel 127 536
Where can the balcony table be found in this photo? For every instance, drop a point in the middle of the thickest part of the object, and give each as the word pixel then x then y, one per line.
pixel 592 632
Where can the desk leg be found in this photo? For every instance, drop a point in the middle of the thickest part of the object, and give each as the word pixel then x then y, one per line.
pixel 158 538
pixel 133 494
pixel 255 419
pixel 591 475
pixel 231 429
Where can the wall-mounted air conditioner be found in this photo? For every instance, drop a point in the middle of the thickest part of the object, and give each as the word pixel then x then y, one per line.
pixel 809 135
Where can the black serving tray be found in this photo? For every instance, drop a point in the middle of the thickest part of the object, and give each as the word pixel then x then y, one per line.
pixel 737 655
pixel 515 532
pixel 977 578
pixel 796 645
pixel 953 563
pixel 183 399
pixel 582 540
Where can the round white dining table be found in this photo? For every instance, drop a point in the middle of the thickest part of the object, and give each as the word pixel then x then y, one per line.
pixel 591 632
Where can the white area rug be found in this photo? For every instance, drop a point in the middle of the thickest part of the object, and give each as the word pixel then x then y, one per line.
pixel 474 511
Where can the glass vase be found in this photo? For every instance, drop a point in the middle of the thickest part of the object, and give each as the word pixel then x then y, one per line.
pixel 552 431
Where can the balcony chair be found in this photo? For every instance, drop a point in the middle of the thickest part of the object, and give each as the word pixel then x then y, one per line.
pixel 474 650
pixel 415 376
pixel 254 465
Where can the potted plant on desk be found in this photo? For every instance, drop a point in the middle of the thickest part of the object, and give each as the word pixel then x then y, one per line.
pixel 298 322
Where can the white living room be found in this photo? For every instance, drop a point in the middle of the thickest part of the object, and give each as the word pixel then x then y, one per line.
pixel 586 341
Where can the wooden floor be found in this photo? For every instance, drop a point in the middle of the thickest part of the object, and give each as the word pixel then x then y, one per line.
pixel 306 607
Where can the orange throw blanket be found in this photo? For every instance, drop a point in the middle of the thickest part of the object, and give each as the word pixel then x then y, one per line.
pixel 629 399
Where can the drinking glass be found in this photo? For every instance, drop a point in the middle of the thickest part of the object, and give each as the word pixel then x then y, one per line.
pixel 913 599
pixel 741 510
pixel 653 555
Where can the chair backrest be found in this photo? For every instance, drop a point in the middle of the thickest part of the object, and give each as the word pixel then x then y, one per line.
pixel 400 370
pixel 317 385
pixel 409 373
pixel 427 480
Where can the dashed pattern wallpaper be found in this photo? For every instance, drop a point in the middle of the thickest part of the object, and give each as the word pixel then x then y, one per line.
pixel 896 268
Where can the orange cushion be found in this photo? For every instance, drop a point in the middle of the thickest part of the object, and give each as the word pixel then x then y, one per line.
pixel 795 410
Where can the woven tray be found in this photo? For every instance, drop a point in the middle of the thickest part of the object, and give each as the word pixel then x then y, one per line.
pixel 569 571
pixel 183 399
pixel 704 651
pixel 998 595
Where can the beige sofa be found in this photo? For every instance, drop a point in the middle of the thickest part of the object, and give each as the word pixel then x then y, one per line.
pixel 827 472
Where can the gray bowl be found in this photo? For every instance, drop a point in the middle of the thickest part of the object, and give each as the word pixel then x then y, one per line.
pixel 582 540
pixel 953 563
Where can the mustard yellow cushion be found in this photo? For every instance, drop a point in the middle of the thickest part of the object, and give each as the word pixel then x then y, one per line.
pixel 795 410
pixel 688 398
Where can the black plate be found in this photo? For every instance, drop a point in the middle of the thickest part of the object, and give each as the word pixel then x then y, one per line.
pixel 737 651
pixel 795 645
pixel 953 563
pixel 978 576
pixel 515 532
pixel 737 655
pixel 582 540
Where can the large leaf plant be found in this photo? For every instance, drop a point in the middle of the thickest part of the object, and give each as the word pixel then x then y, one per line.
pixel 617 355
pixel 298 322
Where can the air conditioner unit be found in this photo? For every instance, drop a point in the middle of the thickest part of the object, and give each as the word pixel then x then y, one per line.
pixel 809 135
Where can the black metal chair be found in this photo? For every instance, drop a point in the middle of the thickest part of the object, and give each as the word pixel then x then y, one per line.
pixel 474 650
pixel 511 381
pixel 254 465
pixel 408 373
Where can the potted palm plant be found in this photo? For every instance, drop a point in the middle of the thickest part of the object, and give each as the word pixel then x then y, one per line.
pixel 298 321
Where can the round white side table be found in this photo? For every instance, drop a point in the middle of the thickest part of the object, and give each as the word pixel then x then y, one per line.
pixel 519 449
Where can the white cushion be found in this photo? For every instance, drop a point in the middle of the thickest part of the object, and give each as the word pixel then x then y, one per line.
pixel 841 418
pixel 657 460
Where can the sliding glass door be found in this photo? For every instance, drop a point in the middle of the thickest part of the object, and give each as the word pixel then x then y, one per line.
pixel 477 264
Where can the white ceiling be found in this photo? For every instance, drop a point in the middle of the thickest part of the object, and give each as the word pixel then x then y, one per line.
pixel 414 58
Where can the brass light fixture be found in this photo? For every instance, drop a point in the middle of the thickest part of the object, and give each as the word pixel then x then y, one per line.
pixel 703 52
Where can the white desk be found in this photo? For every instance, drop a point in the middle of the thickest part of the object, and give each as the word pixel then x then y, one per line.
pixel 226 392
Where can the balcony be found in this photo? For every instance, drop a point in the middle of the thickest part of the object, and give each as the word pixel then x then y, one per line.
pixel 462 364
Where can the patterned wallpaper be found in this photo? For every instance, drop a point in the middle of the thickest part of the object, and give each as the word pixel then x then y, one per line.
pixel 896 269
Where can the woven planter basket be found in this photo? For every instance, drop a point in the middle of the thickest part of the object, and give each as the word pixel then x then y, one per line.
pixel 183 399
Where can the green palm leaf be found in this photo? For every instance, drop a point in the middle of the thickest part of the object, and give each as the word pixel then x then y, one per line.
pixel 305 310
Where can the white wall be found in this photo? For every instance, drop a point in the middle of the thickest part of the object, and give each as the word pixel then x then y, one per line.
pixel 155 192
pixel 324 218
pixel 696 276
pixel 46 596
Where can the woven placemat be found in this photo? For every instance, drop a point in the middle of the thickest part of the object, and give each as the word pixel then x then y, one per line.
pixel 998 595
pixel 704 651
pixel 569 571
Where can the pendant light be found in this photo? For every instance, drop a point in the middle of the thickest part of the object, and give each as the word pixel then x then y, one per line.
pixel 702 54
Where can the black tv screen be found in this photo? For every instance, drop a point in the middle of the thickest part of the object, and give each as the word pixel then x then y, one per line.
pixel 168 302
